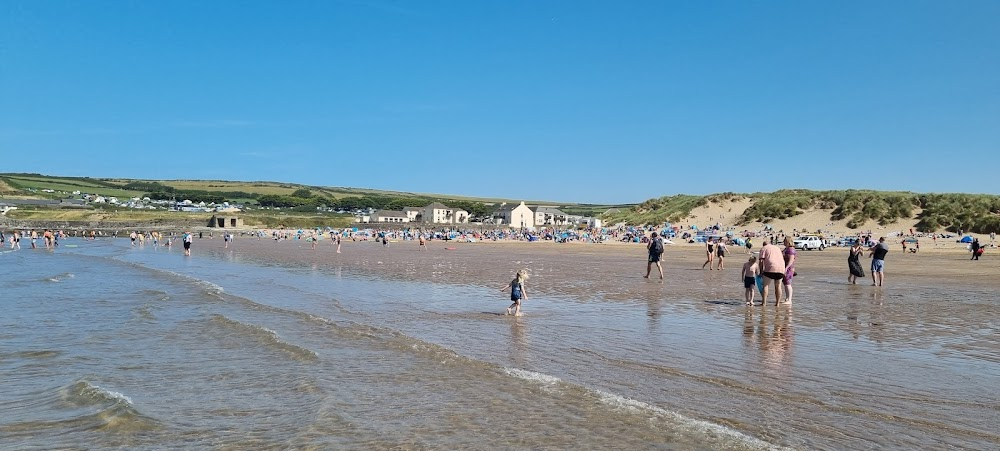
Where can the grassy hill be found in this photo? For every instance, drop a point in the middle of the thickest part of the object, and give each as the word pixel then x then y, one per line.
pixel 288 203
pixel 977 213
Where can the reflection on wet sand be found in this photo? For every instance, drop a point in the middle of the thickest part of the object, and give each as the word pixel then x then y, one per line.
pixel 771 333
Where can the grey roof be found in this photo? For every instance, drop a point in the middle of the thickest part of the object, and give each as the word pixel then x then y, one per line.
pixel 437 205
pixel 390 214
pixel 412 209
pixel 508 207
pixel 549 210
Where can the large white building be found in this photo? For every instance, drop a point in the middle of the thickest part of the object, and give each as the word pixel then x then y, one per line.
pixel 438 213
pixel 550 216
pixel 519 215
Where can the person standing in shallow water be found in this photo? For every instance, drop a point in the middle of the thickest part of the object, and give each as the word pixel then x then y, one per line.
pixel 878 253
pixel 854 263
pixel 789 257
pixel 655 248
pixel 772 269
pixel 518 291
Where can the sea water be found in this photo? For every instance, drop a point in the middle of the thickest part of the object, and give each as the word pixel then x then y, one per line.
pixel 106 345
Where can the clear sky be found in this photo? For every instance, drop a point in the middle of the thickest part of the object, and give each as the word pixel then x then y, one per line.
pixel 577 101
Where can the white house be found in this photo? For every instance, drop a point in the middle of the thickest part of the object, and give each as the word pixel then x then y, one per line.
pixel 389 216
pixel 413 213
pixel 550 216
pixel 514 215
pixel 438 213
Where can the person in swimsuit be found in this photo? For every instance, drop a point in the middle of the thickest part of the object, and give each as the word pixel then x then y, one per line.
pixel 720 251
pixel 750 272
pixel 710 254
pixel 789 257
pixel 749 246
pixel 518 291
pixel 772 269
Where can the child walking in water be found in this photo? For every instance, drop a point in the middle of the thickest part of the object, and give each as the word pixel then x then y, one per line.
pixel 750 272
pixel 517 291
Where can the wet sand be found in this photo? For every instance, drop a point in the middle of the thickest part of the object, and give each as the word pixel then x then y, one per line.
pixel 914 363
pixel 583 269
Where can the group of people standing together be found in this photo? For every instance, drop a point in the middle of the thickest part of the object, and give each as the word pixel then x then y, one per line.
pixel 49 238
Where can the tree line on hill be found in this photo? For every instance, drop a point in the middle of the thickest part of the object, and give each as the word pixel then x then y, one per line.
pixel 302 199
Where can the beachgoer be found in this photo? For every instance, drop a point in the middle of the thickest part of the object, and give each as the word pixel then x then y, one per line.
pixel 132 236
pixel 750 272
pixel 789 256
pixel 227 238
pixel 749 246
pixel 423 243
pixel 655 247
pixel 878 253
pixel 518 291
pixel 976 249
pixel 338 243
pixel 854 263
pixel 34 236
pixel 720 251
pixel 187 238
pixel 772 269
pixel 710 254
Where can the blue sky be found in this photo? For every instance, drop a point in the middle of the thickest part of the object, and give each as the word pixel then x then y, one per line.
pixel 577 101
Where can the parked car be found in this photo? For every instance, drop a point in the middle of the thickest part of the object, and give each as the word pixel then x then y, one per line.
pixel 809 242
pixel 847 241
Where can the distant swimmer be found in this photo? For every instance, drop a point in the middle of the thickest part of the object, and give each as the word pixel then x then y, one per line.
pixel 518 291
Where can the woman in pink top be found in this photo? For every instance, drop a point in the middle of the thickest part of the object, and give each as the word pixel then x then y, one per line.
pixel 772 269
pixel 789 260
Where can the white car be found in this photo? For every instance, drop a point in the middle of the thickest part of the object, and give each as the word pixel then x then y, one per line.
pixel 809 242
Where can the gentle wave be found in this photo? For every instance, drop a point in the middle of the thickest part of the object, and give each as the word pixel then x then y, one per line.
pixel 84 392
pixel 60 277
pixel 266 336
pixel 715 434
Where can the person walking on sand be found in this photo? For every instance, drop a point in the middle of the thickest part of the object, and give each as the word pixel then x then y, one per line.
pixel 750 273
pixel 655 248
pixel 854 263
pixel 772 269
pixel 423 242
pixel 749 246
pixel 518 291
pixel 720 251
pixel 789 257
pixel 710 254
pixel 878 253
pixel 976 249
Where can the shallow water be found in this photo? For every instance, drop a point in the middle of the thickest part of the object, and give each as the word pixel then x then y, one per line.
pixel 104 345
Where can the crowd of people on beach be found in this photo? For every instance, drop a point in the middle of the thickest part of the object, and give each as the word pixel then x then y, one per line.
pixel 771 268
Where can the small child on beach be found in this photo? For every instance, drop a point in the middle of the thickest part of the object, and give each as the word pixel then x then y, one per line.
pixel 750 272
pixel 517 291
